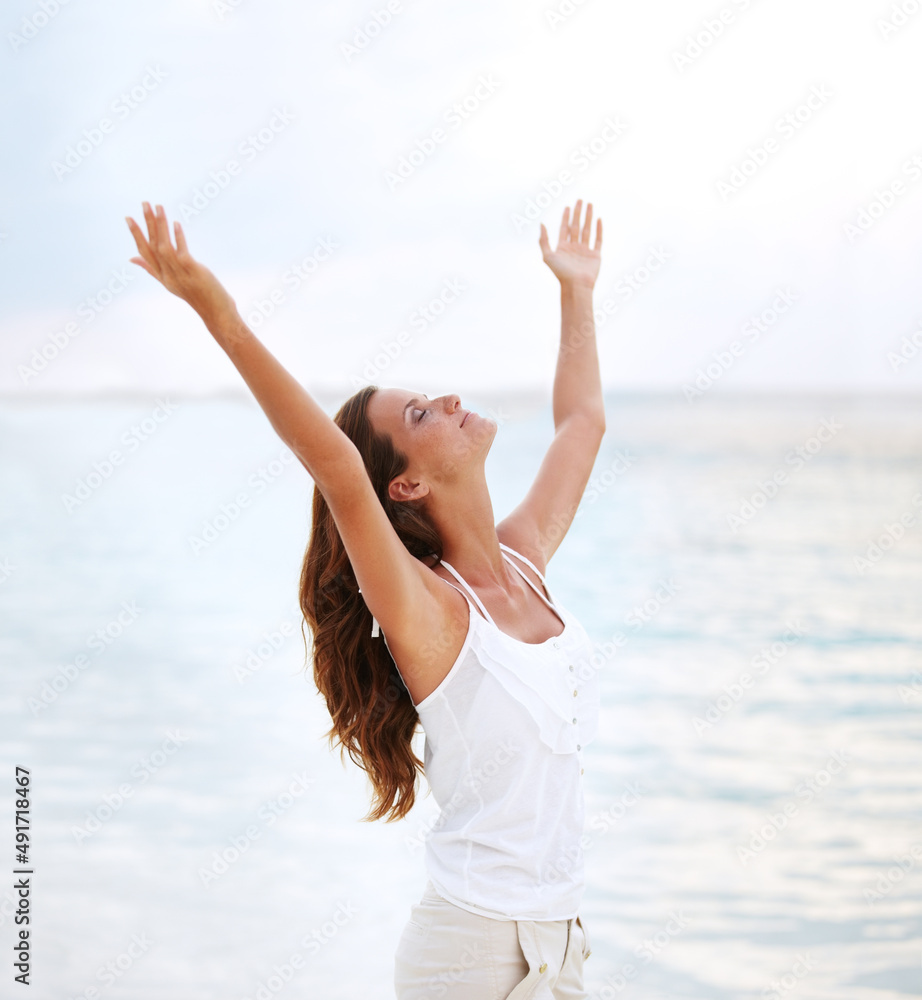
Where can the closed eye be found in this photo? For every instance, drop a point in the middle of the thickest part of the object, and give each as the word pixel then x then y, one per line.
pixel 422 413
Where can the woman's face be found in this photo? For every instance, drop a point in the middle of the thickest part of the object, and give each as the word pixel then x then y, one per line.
pixel 439 436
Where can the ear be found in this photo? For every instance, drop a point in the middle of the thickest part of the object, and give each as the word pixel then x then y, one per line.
pixel 401 490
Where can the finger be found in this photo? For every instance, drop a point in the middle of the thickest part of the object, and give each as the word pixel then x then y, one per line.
pixel 141 243
pixel 164 245
pixel 564 227
pixel 574 221
pixel 181 246
pixel 587 225
pixel 151 223
pixel 144 264
pixel 135 230
pixel 137 234
pixel 543 242
pixel 598 234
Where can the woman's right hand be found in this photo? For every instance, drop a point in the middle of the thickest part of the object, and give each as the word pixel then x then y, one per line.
pixel 175 268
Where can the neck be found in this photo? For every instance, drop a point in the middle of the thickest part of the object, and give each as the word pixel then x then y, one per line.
pixel 465 523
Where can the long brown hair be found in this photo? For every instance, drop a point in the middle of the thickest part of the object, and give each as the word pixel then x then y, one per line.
pixel 374 719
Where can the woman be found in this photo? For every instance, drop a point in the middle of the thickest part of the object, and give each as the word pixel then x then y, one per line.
pixel 423 610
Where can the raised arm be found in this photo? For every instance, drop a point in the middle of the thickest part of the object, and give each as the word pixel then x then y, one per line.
pixel 297 418
pixel 575 263
pixel 405 596
pixel 541 520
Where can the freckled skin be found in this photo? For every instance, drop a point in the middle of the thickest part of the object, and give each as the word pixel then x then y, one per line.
pixel 441 451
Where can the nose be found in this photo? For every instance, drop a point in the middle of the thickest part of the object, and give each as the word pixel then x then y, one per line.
pixel 452 402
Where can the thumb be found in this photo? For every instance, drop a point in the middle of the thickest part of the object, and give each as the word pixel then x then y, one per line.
pixel 143 263
pixel 542 241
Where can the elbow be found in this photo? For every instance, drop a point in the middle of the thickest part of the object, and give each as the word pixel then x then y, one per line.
pixel 588 425
pixel 593 423
pixel 597 418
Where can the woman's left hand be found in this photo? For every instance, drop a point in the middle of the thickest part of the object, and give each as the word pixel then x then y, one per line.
pixel 574 261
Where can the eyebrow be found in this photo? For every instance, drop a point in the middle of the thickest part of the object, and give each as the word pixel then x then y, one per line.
pixel 415 399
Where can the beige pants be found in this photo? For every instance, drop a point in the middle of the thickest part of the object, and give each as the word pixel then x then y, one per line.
pixel 448 953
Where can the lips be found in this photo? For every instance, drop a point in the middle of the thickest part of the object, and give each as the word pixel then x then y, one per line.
pixel 466 415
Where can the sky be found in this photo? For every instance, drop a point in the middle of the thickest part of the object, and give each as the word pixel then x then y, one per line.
pixel 367 180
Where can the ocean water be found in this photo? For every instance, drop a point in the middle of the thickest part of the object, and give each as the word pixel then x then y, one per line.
pixel 749 567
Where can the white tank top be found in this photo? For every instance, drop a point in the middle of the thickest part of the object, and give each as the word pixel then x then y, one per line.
pixel 505 732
